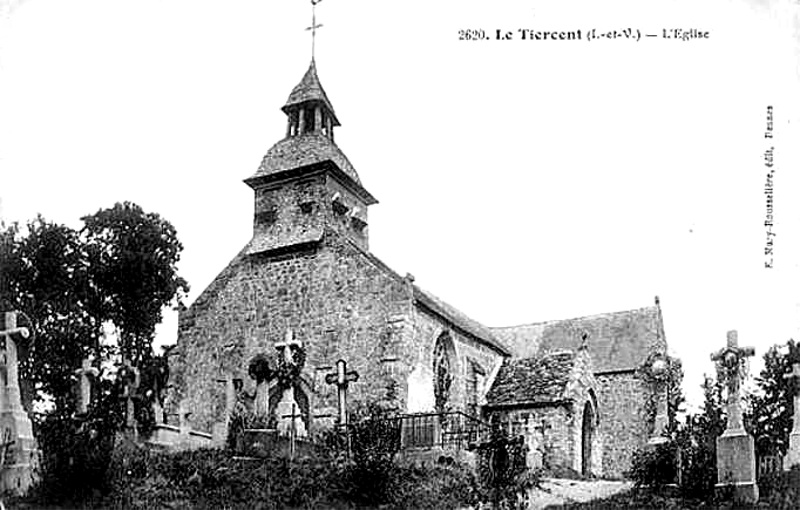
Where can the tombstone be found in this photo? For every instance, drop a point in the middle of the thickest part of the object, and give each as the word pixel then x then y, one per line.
pixel 19 471
pixel 342 379
pixel 736 460
pixel 288 424
pixel 220 429
pixel 131 378
pixel 85 385
pixel 792 457
pixel 660 373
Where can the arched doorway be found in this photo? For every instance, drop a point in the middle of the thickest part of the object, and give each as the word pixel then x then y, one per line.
pixel 587 439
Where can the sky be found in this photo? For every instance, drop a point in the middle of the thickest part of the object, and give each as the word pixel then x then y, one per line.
pixel 519 180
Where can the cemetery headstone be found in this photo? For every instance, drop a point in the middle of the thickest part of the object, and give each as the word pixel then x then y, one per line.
pixel 736 460
pixel 290 349
pixel 342 379
pixel 131 379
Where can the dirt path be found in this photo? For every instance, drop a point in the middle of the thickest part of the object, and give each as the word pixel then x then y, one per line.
pixel 557 491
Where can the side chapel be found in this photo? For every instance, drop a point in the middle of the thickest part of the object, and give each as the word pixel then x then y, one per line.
pixel 572 388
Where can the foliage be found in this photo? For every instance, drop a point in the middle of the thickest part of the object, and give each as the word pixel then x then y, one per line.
pixel 654 466
pixel 287 372
pixel 76 453
pixel 260 368
pixel 133 257
pixel 770 414
pixel 374 440
pixel 502 472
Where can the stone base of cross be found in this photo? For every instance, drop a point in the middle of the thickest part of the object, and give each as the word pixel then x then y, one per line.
pixel 290 422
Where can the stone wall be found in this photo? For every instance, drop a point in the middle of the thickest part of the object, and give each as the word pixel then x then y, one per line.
pixel 427 327
pixel 625 423
pixel 548 433
pixel 338 301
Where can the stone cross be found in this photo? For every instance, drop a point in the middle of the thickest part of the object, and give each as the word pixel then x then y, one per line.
pixel 342 379
pixel 794 378
pixel 730 358
pixel 230 395
pixel 10 361
pixel 659 369
pixel 130 385
pixel 85 389
pixel 288 346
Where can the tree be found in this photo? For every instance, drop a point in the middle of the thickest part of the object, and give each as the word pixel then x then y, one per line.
pixel 771 409
pixel 119 269
pixel 133 257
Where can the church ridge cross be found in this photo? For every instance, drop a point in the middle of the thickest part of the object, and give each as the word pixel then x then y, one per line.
pixel 342 379
pixel 314 26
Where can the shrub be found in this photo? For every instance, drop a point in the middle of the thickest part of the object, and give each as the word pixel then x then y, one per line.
pixel 654 466
pixel 374 442
pixel 503 476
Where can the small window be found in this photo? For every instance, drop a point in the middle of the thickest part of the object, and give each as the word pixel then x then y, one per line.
pixel 307 207
pixel 267 217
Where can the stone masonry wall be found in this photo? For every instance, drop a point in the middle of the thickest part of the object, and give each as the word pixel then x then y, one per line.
pixel 548 433
pixel 339 302
pixel 418 358
pixel 624 424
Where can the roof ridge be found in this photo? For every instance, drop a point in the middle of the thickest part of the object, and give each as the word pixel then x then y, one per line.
pixel 592 316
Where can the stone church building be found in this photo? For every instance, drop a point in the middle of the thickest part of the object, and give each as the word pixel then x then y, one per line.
pixel 572 388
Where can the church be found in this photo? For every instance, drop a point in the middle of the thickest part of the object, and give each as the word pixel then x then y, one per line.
pixel 574 388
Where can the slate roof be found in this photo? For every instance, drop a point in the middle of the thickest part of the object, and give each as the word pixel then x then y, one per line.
pixel 295 152
pixel 532 381
pixel 459 319
pixel 310 89
pixel 617 342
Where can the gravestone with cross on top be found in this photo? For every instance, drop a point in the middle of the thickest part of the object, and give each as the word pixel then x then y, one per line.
pixel 287 406
pixel 19 471
pixel 85 385
pixel 793 453
pixel 736 459
pixel 342 379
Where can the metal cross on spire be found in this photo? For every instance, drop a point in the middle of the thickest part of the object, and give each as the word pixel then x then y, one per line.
pixel 314 26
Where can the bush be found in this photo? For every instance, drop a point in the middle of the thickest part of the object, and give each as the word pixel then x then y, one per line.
pixel 503 476
pixel 374 441
pixel 654 466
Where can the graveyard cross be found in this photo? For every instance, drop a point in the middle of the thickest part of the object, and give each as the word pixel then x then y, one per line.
pixel 230 395
pixel 85 395
pixel 288 347
pixel 342 379
pixel 730 358
pixel 131 381
pixel 10 361
pixel 794 380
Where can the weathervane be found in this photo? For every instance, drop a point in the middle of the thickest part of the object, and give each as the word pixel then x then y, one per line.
pixel 314 26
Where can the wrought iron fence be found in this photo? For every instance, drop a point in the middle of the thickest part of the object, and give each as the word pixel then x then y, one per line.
pixel 767 465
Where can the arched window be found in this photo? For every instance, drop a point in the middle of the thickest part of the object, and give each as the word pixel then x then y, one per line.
pixel 443 369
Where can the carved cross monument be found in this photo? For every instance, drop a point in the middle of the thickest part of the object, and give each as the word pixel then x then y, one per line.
pixel 793 453
pixel 85 385
pixel 659 370
pixel 342 379
pixel 736 460
pixel 18 474
pixel 289 349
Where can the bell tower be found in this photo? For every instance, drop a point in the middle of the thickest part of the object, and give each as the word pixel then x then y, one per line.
pixel 305 187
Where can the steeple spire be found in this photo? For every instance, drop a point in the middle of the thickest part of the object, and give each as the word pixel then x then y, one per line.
pixel 314 26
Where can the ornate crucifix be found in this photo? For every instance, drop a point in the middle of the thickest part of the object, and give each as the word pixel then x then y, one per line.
pixel 794 380
pixel 730 359
pixel 288 346
pixel 342 379
pixel 314 26
pixel 85 388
